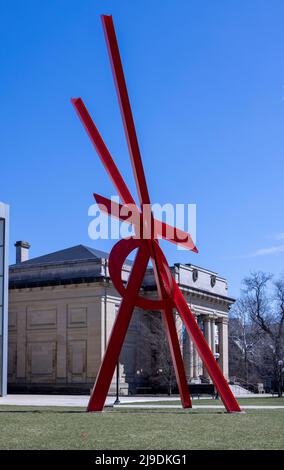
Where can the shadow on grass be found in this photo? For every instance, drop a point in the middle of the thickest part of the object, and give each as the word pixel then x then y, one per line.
pixel 117 411
pixel 169 412
pixel 44 411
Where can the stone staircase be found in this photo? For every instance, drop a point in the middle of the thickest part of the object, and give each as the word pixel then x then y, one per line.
pixel 240 391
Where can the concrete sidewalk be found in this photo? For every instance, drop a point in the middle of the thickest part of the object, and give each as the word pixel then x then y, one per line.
pixel 71 400
pixel 194 407
pixel 133 401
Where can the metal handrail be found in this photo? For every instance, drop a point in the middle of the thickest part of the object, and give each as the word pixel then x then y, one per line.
pixel 249 386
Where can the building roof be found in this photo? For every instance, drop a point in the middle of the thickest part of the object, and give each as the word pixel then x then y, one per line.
pixel 75 253
pixel 74 265
pixel 81 264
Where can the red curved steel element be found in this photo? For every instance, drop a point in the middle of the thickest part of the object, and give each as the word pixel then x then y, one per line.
pixel 170 296
pixel 134 217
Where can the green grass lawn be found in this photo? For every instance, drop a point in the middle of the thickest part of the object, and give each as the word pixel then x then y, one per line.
pixel 73 428
pixel 210 401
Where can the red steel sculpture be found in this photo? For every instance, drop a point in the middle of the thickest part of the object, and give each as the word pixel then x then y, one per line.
pixel 170 296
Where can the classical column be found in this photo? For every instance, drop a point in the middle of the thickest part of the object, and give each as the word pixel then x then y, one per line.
pixel 191 347
pixel 200 366
pixel 195 363
pixel 187 357
pixel 213 334
pixel 207 333
pixel 223 346
pixel 207 330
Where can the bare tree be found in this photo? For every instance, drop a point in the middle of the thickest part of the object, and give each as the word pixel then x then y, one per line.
pixel 244 337
pixel 162 369
pixel 263 300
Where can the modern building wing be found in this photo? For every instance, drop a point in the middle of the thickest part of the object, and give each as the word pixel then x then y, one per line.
pixel 4 225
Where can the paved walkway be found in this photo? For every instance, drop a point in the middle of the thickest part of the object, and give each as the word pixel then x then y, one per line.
pixel 243 407
pixel 72 400
pixel 133 402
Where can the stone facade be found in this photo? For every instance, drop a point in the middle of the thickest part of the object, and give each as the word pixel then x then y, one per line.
pixel 61 310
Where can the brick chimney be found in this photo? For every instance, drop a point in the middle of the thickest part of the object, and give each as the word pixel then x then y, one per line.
pixel 22 251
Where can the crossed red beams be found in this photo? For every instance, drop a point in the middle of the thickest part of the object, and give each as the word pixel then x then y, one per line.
pixel 169 292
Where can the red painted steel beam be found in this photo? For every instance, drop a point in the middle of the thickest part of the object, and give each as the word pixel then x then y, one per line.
pixel 170 294
pixel 177 359
pixel 125 109
pixel 205 352
pixel 171 331
pixel 118 333
pixel 144 198
pixel 134 216
pixel 102 151
pixel 162 275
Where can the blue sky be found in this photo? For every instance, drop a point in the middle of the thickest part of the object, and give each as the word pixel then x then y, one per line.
pixel 205 80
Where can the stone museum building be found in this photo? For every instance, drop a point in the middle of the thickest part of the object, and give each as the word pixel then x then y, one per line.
pixel 61 310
